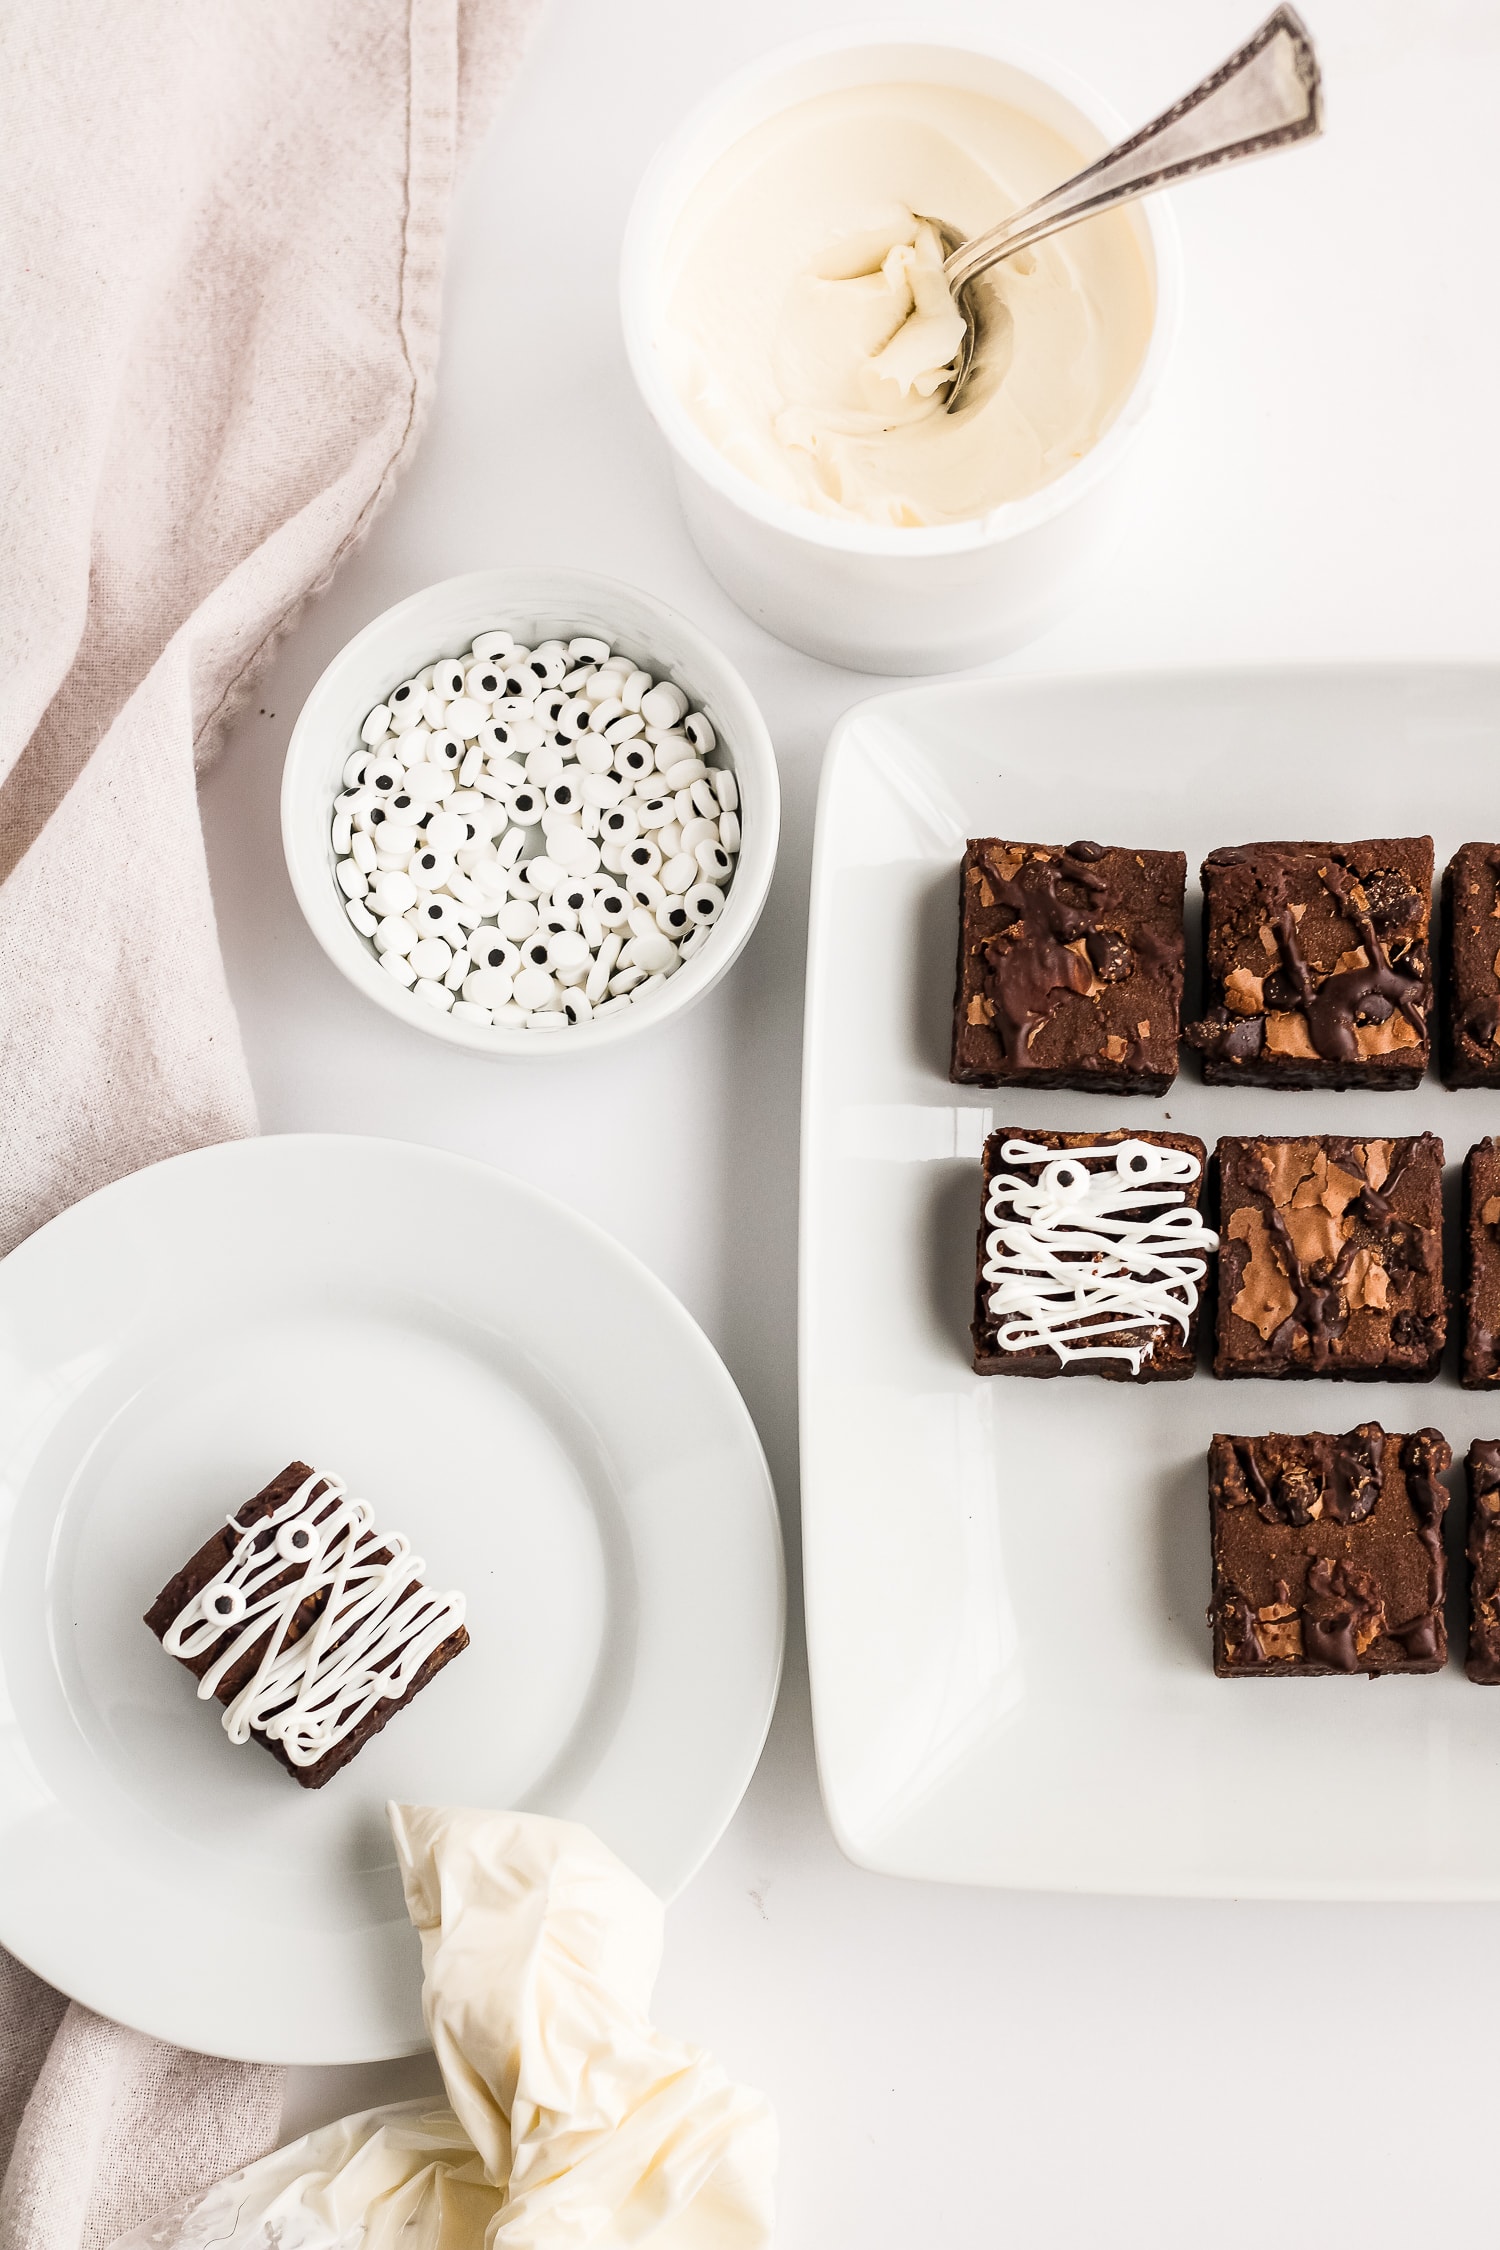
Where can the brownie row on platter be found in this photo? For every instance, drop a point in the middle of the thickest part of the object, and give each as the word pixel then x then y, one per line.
pixel 1095 1255
pixel 1318 968
pixel 1328 1554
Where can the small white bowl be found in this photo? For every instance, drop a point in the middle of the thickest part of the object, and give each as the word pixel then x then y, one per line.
pixel 534 605
pixel 877 597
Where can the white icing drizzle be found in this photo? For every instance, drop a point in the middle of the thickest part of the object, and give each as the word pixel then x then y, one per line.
pixel 1069 1258
pixel 372 1637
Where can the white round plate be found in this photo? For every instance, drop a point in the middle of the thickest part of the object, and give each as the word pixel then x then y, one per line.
pixel 504 1384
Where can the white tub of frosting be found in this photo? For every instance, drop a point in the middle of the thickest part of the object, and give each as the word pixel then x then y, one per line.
pixel 789 332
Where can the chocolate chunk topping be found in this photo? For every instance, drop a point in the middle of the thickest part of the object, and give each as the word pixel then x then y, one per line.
pixel 1110 956
pixel 1087 851
pixel 1227 1038
pixel 1390 898
pixel 1300 1492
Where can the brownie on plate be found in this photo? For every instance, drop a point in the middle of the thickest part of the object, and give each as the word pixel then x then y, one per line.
pixel 1069 967
pixel 1317 969
pixel 1328 1553
pixel 1480 1366
pixel 240 1616
pixel 1482 1550
pixel 1471 966
pixel 1332 1257
pixel 1092 1255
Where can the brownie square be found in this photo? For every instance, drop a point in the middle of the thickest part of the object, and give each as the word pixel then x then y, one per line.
pixel 297 1617
pixel 1482 1551
pixel 1332 1257
pixel 1092 1255
pixel 1328 1553
pixel 1069 967
pixel 1317 968
pixel 1480 1367
pixel 1471 966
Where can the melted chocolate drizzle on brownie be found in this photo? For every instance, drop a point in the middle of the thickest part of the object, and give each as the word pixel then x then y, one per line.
pixel 1424 1456
pixel 1333 1007
pixel 1341 1483
pixel 1335 1004
pixel 1027 970
pixel 1321 1312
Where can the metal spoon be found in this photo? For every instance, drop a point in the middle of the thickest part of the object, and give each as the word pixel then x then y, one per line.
pixel 1268 95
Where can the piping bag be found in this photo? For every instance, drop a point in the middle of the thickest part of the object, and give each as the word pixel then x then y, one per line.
pixel 570 2120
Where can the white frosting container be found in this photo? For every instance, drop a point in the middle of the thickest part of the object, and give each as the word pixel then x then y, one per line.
pixel 874 596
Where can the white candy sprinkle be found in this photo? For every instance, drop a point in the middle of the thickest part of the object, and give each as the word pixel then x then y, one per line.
pixel 535 988
pixel 533 835
pixel 663 706
pixel 393 935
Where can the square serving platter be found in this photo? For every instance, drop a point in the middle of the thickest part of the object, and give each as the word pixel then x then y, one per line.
pixel 1006 1580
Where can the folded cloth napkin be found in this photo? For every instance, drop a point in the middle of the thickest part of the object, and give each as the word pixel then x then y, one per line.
pixel 572 2121
pixel 221 252
pixel 221 247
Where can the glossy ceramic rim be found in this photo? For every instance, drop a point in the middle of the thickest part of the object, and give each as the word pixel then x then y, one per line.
pixel 120 1980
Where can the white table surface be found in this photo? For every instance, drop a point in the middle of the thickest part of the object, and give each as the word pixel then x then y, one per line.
pixel 958 2067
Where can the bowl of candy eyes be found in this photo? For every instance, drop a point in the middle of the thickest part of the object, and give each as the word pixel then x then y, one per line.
pixel 530 810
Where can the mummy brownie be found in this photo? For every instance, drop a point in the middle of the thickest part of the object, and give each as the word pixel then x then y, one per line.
pixel 311 1627
pixel 1092 1255
pixel 535 836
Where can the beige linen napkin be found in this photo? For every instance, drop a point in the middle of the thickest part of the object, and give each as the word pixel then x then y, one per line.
pixel 221 249
pixel 571 2120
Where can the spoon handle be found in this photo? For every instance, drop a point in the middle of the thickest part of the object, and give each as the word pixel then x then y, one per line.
pixel 1266 96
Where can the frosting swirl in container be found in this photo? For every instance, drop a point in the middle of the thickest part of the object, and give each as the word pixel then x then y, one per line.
pixel 809 332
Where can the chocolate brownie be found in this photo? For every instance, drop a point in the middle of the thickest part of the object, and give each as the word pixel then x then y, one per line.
pixel 1332 1257
pixel 1480 1366
pixel 1328 1553
pixel 398 1634
pixel 1482 1550
pixel 1317 970
pixel 1092 1255
pixel 1471 966
pixel 1069 967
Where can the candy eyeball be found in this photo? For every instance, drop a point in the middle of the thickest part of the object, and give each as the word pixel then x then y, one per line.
pixel 495 832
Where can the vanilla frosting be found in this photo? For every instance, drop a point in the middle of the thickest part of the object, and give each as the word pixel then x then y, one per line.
pixel 570 2119
pixel 810 334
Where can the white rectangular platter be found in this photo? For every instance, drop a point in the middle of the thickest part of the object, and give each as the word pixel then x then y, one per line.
pixel 1006 1580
